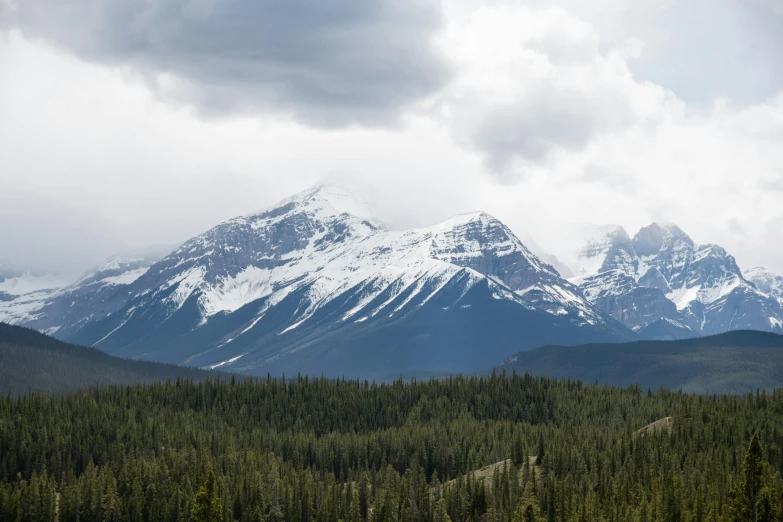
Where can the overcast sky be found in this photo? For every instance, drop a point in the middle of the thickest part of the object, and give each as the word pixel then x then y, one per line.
pixel 126 124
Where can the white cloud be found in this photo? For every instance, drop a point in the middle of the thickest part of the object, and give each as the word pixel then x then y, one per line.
pixel 534 85
pixel 547 122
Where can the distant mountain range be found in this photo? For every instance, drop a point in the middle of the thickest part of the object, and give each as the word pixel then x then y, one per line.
pixel 733 362
pixel 662 285
pixel 315 284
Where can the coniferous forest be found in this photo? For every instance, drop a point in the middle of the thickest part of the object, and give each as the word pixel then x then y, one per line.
pixel 500 448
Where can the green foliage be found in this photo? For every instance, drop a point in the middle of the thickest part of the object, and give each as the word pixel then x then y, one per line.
pixel 319 450
pixel 208 507
pixel 752 500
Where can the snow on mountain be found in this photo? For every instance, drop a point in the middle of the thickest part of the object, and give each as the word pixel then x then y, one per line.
pixel 26 283
pixel 65 308
pixel 116 270
pixel 23 294
pixel 636 280
pixel 767 282
pixel 603 248
pixel 323 239
pixel 317 262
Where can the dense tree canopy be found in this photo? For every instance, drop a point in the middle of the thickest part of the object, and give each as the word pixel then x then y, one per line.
pixel 325 450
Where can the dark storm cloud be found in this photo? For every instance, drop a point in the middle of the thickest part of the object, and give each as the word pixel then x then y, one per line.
pixel 328 63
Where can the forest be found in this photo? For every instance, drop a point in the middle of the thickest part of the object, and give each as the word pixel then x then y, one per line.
pixel 494 448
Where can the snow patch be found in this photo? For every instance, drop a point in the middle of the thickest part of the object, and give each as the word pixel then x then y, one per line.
pixel 684 296
pixel 218 365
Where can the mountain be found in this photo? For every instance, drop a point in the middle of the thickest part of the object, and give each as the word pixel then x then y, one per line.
pixel 64 309
pixel 767 282
pixel 733 362
pixel 663 286
pixel 30 360
pixel 23 293
pixel 315 285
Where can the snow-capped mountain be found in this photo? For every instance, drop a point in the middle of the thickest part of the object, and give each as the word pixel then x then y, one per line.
pixel 65 308
pixel 15 284
pixel 21 293
pixel 661 284
pixel 315 284
pixel 767 282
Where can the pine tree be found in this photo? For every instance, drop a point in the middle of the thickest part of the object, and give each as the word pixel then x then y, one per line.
pixel 441 515
pixel 754 473
pixel 364 497
pixel 744 496
pixel 208 506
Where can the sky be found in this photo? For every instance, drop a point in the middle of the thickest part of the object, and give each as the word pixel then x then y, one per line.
pixel 126 125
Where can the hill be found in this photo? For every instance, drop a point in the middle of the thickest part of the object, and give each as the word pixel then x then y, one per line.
pixel 733 362
pixel 30 360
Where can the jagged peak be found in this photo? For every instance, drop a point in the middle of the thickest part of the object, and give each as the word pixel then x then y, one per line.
pixel 668 229
pixel 658 235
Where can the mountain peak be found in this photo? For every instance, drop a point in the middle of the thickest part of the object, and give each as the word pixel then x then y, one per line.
pixel 459 220
pixel 658 235
pixel 325 198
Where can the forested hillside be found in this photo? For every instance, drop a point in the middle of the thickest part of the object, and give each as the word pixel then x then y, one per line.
pixel 326 450
pixel 31 361
pixel 733 362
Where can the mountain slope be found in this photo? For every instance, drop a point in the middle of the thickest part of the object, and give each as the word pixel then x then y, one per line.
pixel 315 284
pixel 30 360
pixel 64 309
pixel 733 362
pixel 661 276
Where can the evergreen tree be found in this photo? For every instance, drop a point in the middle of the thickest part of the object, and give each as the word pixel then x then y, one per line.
pixel 744 497
pixel 208 507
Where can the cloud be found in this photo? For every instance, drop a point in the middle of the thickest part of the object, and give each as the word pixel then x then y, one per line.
pixel 325 63
pixel 699 49
pixel 534 85
pixel 546 122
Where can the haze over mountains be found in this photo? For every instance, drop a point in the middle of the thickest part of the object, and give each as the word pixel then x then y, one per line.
pixel 315 285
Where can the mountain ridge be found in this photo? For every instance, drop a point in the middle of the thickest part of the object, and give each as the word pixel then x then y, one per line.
pixel 33 361
pixel 736 362
pixel 661 274
pixel 308 278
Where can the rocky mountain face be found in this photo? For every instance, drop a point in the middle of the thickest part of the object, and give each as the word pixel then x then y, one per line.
pixel 315 285
pixel 663 285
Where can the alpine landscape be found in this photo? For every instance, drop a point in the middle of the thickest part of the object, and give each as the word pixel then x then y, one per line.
pixel 391 261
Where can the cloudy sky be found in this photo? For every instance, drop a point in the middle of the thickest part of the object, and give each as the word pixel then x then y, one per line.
pixel 129 123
